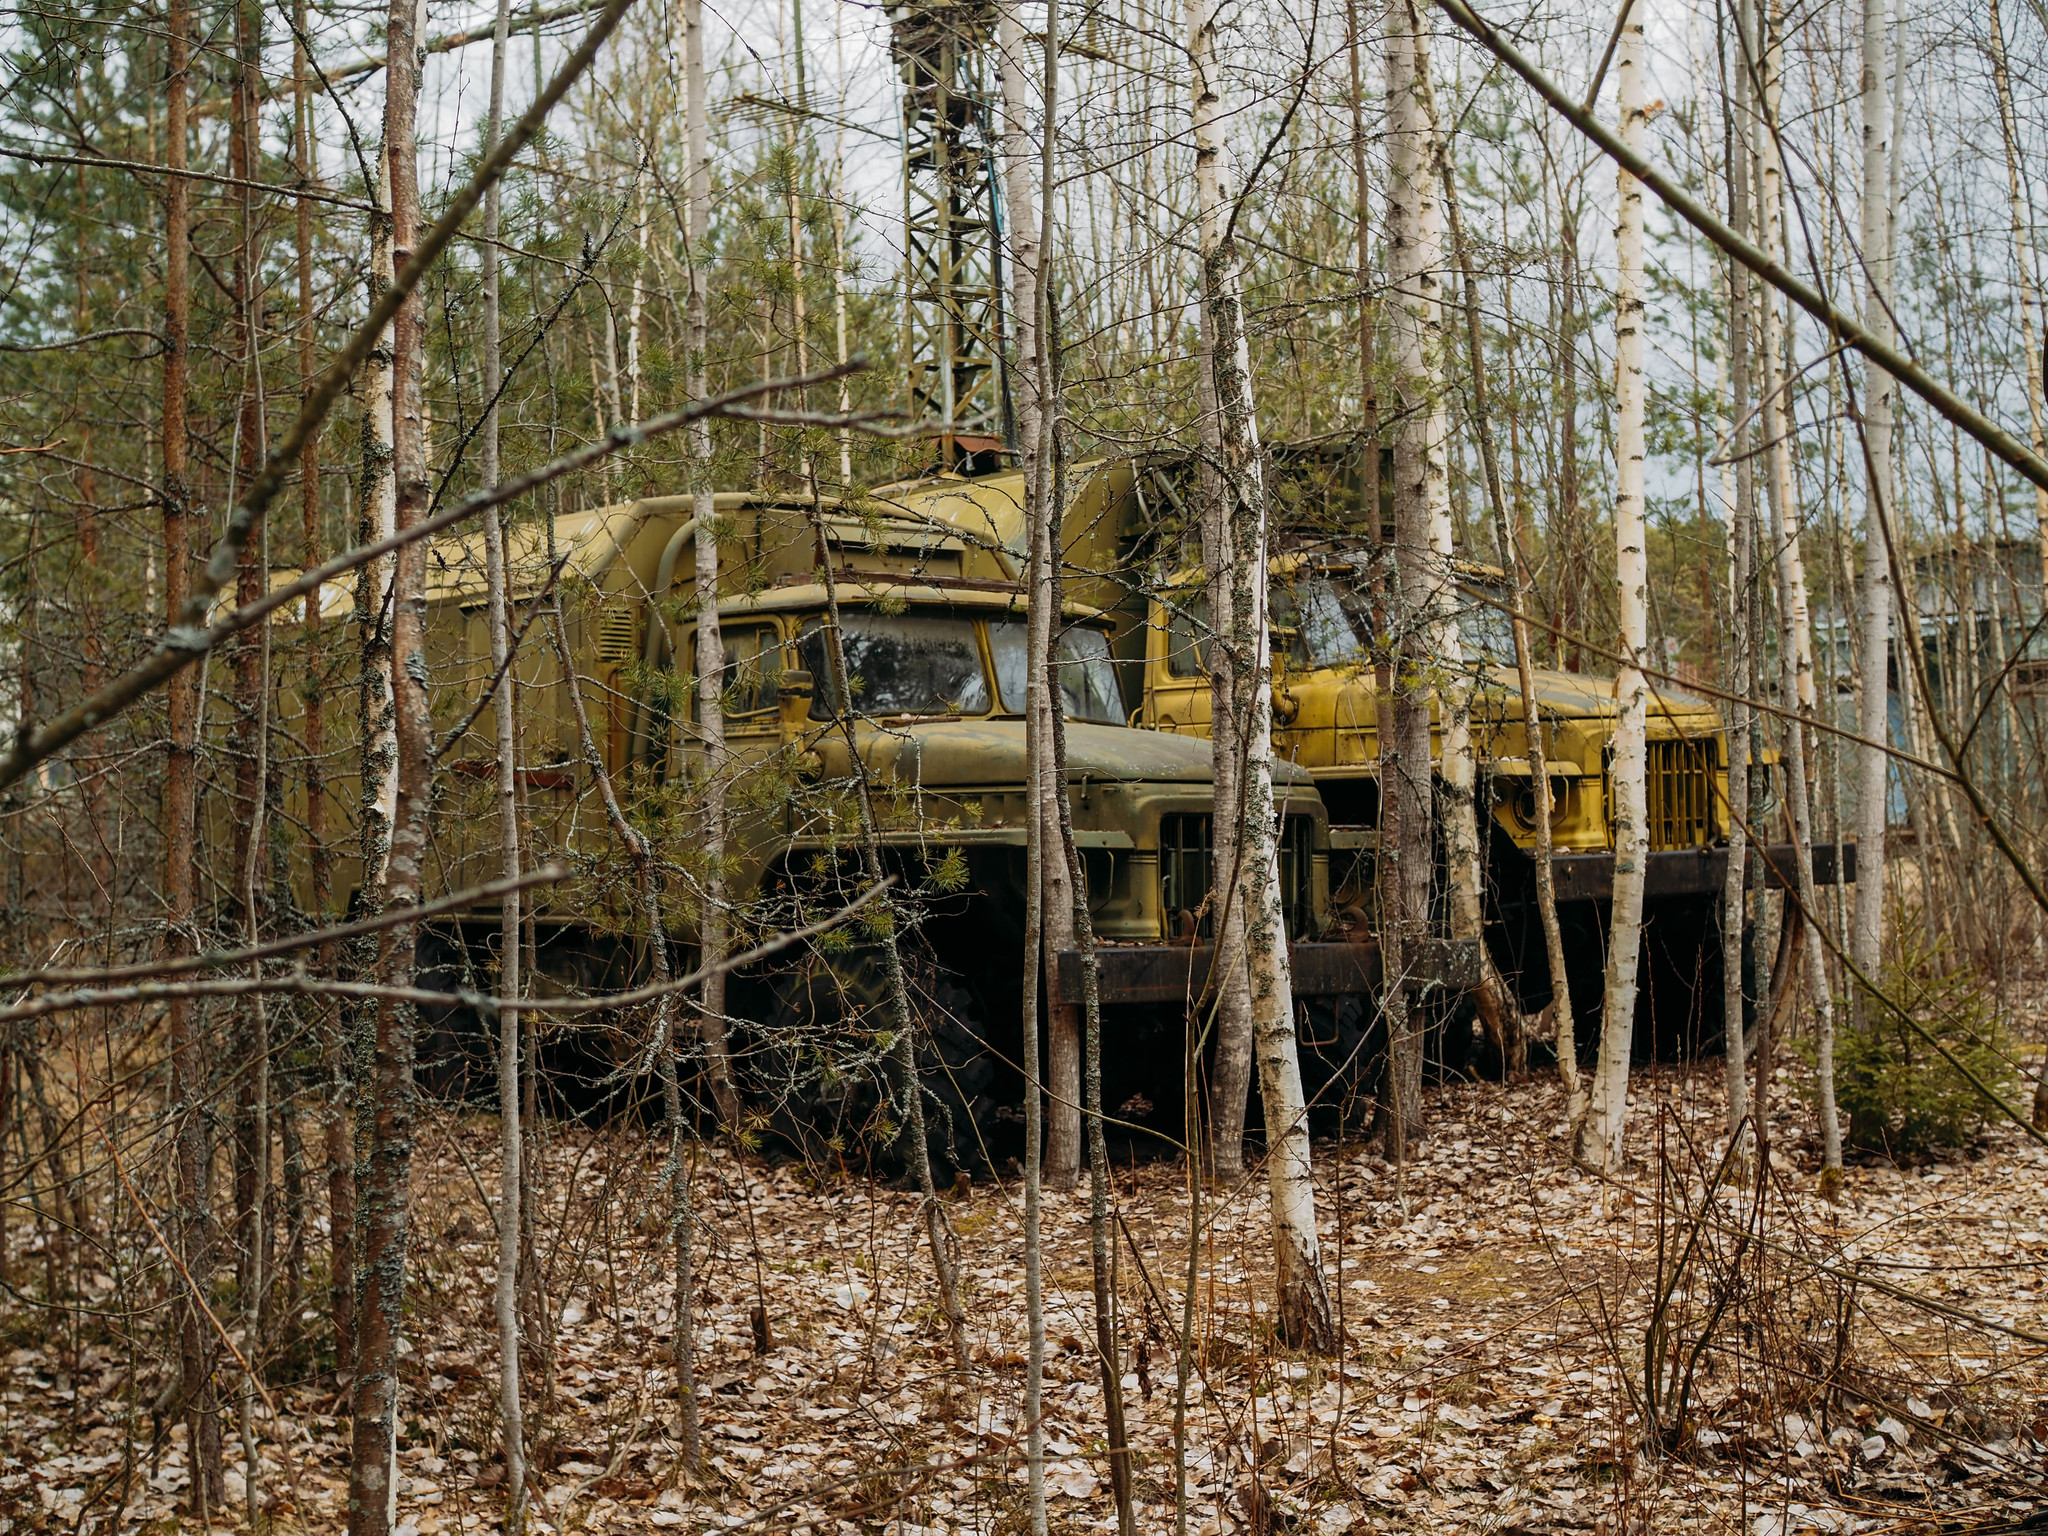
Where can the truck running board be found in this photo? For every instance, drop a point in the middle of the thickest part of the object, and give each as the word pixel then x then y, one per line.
pixel 1174 973
pixel 1697 871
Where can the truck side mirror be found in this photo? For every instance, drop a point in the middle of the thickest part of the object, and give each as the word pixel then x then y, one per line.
pixel 794 690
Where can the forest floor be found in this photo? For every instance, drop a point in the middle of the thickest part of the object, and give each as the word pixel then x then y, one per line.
pixel 1496 1305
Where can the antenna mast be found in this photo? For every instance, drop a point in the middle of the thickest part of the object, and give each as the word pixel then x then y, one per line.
pixel 952 229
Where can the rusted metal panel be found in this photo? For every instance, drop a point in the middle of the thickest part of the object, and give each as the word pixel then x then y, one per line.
pixel 1696 871
pixel 1171 973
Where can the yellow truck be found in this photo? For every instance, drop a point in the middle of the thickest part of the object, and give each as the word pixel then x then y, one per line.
pixel 1329 709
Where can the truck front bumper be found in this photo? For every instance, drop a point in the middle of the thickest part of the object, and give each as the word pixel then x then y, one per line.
pixel 1180 973
pixel 1697 871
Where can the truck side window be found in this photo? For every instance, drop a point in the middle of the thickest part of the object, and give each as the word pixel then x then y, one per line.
pixel 753 669
pixel 1187 634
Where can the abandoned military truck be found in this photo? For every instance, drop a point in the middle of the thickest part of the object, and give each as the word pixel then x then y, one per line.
pixel 925 579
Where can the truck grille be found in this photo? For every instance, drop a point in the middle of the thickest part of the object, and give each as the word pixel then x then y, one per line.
pixel 1186 872
pixel 1681 793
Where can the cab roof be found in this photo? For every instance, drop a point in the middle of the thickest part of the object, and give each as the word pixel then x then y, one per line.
pixel 983 599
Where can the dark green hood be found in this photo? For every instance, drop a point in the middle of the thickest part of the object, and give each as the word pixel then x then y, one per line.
pixel 962 754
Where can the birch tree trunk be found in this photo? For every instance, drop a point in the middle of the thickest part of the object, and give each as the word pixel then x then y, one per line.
pixel 1873 714
pixel 1230 1077
pixel 511 1407
pixel 1463 863
pixel 1028 227
pixel 1741 543
pixel 1795 645
pixel 714 927
pixel 2023 265
pixel 1514 1042
pixel 385 1215
pixel 1598 1137
pixel 1414 262
pixel 1302 1302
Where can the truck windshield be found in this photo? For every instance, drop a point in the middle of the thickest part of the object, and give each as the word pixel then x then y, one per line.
pixel 899 664
pixel 1087 678
pixel 1487 630
pixel 1315 612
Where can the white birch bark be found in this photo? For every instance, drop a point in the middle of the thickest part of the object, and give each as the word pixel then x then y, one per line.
pixel 1303 1303
pixel 1028 222
pixel 1415 324
pixel 504 721
pixel 1741 544
pixel 2030 304
pixel 1025 232
pixel 379 788
pixel 1867 937
pixel 1230 1073
pixel 1598 1138
pixel 1795 647
pixel 1458 765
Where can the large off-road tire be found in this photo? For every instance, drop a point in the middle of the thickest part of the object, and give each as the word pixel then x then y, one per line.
pixel 452 1056
pixel 1680 986
pixel 821 1070
pixel 1338 1042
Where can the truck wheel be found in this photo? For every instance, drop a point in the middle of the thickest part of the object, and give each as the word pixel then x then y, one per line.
pixel 1679 982
pixel 1450 1044
pixel 452 1058
pixel 823 1071
pixel 1339 1040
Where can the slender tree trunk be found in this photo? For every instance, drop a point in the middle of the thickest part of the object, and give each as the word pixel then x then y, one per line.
pixel 335 1113
pixel 511 1405
pixel 251 725
pixel 938 1234
pixel 1873 715
pixel 647 877
pixel 1795 647
pixel 1230 1019
pixel 714 927
pixel 377 520
pixel 1514 1041
pixel 380 1311
pixel 1040 630
pixel 1029 222
pixel 1101 1241
pixel 1062 896
pixel 1414 260
pixel 181 789
pixel 1598 1137
pixel 1741 543
pixel 1459 770
pixel 1564 550
pixel 1302 1302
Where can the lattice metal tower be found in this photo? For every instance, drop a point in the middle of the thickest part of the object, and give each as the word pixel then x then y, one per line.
pixel 953 321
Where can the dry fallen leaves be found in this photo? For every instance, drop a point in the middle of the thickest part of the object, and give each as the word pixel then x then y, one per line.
pixel 1493 1377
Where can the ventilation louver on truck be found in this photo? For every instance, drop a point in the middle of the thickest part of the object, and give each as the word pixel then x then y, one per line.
pixel 1186 871
pixel 1679 791
pixel 618 630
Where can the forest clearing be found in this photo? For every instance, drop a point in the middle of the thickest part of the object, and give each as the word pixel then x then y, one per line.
pixel 993 767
